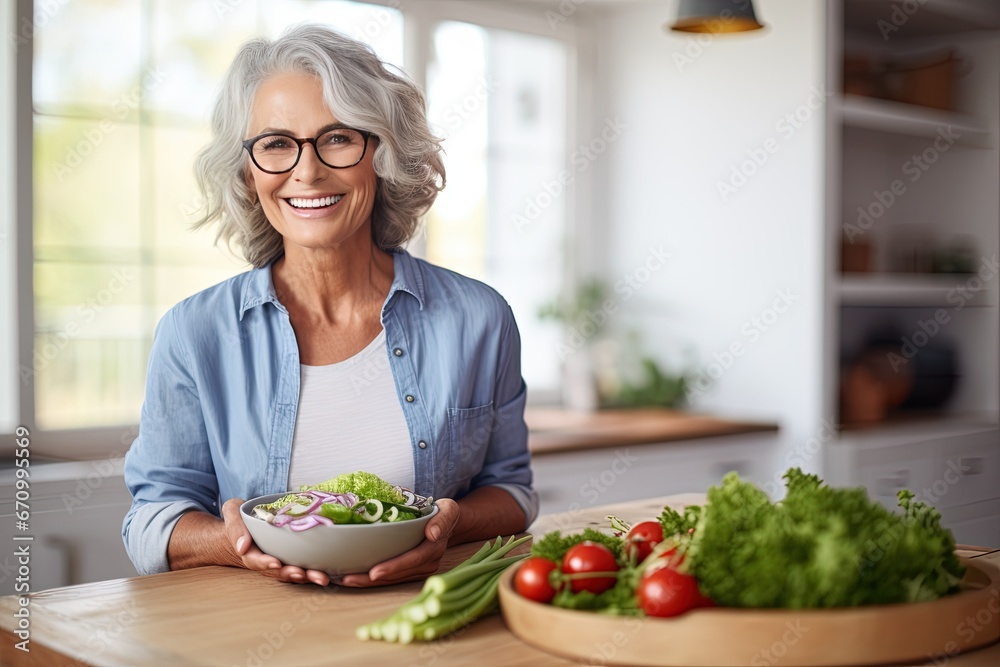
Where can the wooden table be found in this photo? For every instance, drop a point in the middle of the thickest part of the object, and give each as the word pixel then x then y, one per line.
pixel 226 617
pixel 560 430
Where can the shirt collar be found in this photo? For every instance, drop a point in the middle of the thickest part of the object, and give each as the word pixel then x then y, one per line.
pixel 259 288
pixel 407 277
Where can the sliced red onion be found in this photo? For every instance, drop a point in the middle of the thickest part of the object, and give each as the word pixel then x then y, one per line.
pixel 346 499
pixel 313 505
pixel 304 523
pixel 306 516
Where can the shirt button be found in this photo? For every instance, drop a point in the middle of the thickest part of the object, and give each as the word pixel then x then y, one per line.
pixel 409 398
pixel 422 445
pixel 398 352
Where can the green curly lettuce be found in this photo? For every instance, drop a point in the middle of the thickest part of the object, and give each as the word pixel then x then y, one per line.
pixel 365 485
pixel 619 600
pixel 554 545
pixel 819 547
pixel 676 524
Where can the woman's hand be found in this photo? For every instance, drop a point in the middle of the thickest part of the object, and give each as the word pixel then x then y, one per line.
pixel 418 563
pixel 254 559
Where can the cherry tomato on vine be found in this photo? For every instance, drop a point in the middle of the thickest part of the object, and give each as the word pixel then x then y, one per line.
pixel 532 579
pixel 590 557
pixel 666 592
pixel 641 539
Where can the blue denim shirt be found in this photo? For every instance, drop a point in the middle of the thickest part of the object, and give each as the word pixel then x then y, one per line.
pixel 223 386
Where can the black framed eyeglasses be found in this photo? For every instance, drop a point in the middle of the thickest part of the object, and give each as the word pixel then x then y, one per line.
pixel 338 148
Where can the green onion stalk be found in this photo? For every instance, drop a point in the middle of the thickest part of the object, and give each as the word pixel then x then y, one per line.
pixel 450 601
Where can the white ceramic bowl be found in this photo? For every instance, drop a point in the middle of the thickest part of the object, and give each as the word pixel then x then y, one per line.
pixel 336 550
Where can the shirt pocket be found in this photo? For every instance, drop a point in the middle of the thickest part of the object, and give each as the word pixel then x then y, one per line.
pixel 469 434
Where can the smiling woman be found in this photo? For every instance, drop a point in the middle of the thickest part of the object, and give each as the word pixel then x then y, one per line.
pixel 339 347
pixel 295 202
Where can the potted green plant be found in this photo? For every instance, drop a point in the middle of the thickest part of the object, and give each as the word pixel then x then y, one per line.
pixel 597 372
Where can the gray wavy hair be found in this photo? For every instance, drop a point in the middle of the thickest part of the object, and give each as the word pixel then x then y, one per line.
pixel 362 92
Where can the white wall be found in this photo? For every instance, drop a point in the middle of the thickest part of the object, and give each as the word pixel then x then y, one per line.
pixel 8 340
pixel 693 111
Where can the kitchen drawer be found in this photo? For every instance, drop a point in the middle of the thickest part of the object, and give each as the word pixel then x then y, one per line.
pixel 977 525
pixel 574 480
pixel 887 471
pixel 76 526
pixel 968 470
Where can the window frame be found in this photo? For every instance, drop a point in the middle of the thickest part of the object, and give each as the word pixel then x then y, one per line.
pixel 24 215
pixel 9 393
pixel 419 22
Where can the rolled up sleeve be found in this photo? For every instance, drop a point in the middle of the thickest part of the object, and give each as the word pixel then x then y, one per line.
pixel 508 463
pixel 168 469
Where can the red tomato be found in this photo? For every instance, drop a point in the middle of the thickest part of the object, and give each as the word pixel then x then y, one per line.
pixel 532 579
pixel 642 538
pixel 705 601
pixel 666 592
pixel 590 557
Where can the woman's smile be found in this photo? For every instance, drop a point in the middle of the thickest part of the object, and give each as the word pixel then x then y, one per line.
pixel 315 207
pixel 314 202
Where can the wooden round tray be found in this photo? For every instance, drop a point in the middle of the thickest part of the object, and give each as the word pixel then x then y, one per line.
pixel 868 635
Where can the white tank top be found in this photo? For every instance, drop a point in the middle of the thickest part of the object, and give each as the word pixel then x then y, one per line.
pixel 349 419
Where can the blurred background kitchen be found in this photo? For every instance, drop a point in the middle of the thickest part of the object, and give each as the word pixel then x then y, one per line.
pixel 767 240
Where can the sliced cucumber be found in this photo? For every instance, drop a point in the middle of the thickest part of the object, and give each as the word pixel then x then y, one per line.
pixel 372 510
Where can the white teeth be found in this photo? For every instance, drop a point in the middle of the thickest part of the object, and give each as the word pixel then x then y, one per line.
pixel 314 203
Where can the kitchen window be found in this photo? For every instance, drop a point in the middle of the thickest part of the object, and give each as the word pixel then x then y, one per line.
pixel 122 92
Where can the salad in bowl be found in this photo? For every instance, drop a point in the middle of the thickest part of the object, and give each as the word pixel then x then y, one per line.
pixel 341 526
pixel 357 497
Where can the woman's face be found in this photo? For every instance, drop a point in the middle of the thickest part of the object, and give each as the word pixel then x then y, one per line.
pixel 292 103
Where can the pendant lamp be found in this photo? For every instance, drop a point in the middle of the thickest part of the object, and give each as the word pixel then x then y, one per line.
pixel 716 16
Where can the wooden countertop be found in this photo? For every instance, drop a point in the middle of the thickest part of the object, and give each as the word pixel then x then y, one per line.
pixel 559 430
pixel 222 616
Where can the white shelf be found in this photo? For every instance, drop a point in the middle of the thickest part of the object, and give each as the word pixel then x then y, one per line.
pixel 909 290
pixel 868 113
pixel 903 431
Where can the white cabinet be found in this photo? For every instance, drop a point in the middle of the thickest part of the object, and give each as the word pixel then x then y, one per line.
pixel 908 186
pixel 904 181
pixel 976 525
pixel 568 482
pixel 76 512
pixel 951 465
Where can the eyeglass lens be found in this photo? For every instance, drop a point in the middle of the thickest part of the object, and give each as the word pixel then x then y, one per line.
pixel 337 148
